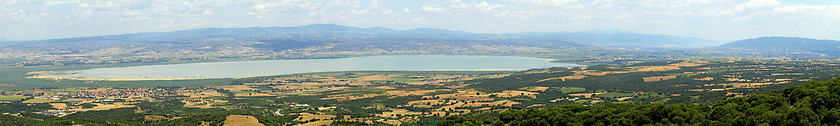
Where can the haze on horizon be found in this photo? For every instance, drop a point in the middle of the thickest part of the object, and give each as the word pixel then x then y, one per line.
pixel 710 19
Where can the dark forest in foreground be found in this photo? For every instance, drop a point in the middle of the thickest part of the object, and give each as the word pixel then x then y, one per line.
pixel 813 103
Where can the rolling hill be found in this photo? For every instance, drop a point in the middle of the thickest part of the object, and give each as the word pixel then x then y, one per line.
pixel 791 44
pixel 633 40
pixel 595 38
pixel 329 40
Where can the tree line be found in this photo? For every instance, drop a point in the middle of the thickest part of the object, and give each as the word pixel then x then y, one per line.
pixel 814 103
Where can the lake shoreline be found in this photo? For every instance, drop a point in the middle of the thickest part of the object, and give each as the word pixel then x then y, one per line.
pixel 297 66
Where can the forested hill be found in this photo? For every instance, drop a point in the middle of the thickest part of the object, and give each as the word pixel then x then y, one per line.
pixel 633 40
pixel 808 104
pixel 786 43
pixel 309 33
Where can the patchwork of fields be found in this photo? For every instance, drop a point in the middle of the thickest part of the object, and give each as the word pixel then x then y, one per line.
pixel 422 97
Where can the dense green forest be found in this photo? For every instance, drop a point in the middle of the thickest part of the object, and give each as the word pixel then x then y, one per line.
pixel 812 103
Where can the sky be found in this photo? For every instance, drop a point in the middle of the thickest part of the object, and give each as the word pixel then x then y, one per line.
pixel 709 19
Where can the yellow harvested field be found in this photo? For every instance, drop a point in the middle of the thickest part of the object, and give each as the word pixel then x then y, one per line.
pixel 567 99
pixel 100 106
pixel 347 97
pixel 59 105
pixel 310 116
pixel 686 64
pixel 384 87
pixel 470 95
pixel 777 74
pixel 602 73
pixel 291 87
pixel 705 79
pixel 237 87
pixel 201 94
pixel 736 79
pixel 201 103
pixel 442 113
pixel 744 85
pixel 564 78
pixel 317 123
pixel 538 89
pixel 675 66
pixel 587 95
pixel 38 101
pixel 623 98
pixel 513 93
pixel 242 120
pixel 394 112
pixel 658 78
pixel 392 122
pixel 408 93
pixel 326 108
pixel 733 93
pixel 657 68
pixel 155 118
pixel 426 102
pixel 375 77
pixel 535 105
pixel 494 103
pixel 251 94
pixel 718 89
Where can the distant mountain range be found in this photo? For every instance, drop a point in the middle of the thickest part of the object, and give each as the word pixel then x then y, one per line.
pixel 606 38
pixel 786 44
pixel 329 40
pixel 629 39
pixel 326 29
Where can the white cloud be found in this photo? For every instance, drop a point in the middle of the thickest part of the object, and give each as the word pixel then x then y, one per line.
pixel 755 4
pixel 721 19
pixel 799 8
pixel 561 2
pixel 388 11
pixel 262 6
pixel 431 9
pixel 484 5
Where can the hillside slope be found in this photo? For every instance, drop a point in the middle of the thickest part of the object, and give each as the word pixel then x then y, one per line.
pixel 634 40
pixel 813 103
pixel 333 41
pixel 786 43
pixel 317 34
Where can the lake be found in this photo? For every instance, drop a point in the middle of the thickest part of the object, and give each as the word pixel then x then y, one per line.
pixel 279 67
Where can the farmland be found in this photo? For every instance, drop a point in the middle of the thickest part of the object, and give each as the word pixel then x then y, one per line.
pixel 406 97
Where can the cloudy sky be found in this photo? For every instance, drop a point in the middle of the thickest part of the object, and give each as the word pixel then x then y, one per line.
pixel 711 19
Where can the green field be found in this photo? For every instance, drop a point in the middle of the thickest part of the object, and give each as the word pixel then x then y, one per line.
pixel 39 100
pixel 13 98
pixel 615 95
pixel 571 89
pixel 397 80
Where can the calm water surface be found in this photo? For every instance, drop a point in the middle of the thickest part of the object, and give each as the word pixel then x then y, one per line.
pixel 278 67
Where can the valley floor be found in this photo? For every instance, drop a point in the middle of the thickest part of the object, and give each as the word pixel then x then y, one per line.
pixel 403 97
